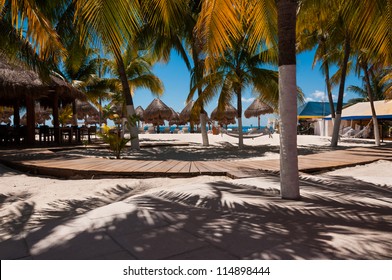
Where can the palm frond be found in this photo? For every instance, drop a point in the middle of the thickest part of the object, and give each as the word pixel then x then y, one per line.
pixel 113 22
pixel 148 81
pixel 217 24
pixel 38 29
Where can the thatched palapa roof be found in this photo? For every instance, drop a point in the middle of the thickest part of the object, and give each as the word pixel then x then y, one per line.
pixel 16 82
pixel 225 117
pixel 175 118
pixel 139 111
pixel 257 108
pixel 157 112
pixel 186 113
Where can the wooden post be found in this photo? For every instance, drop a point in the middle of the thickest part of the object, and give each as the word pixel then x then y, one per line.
pixel 17 122
pixel 56 117
pixel 16 114
pixel 30 113
pixel 74 114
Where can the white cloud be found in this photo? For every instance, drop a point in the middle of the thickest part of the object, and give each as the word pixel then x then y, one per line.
pixel 308 99
pixel 247 100
pixel 318 95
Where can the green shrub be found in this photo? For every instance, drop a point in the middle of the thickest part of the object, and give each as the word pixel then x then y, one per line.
pixel 114 140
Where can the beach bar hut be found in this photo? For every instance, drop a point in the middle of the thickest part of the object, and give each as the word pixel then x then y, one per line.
pixel 359 115
pixel 311 117
pixel 256 109
pixel 20 87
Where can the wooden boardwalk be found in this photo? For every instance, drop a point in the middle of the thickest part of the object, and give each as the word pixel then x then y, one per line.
pixel 44 162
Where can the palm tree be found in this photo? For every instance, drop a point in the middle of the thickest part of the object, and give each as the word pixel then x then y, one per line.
pixel 138 69
pixel 198 71
pixel 218 23
pixel 234 72
pixel 374 88
pixel 115 23
pixel 287 10
pixel 312 33
pixel 357 26
pixel 83 69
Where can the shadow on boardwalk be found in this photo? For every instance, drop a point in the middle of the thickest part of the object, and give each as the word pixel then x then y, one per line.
pixel 336 219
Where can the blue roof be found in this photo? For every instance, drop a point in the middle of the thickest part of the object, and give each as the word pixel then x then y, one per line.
pixel 313 108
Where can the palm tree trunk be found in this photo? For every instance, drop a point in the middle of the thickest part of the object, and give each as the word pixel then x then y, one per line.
pixel 327 80
pixel 239 118
pixel 288 99
pixel 203 124
pixel 339 106
pixel 199 72
pixel 371 100
pixel 128 101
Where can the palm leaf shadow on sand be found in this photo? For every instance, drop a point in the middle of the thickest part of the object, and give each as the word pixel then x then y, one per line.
pixel 228 220
pixel 225 151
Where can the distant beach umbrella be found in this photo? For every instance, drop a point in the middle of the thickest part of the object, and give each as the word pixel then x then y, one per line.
pixel 225 117
pixel 86 109
pixel 139 111
pixel 91 120
pixel 187 116
pixel 157 112
pixel 175 118
pixel 186 113
pixel 41 115
pixel 256 109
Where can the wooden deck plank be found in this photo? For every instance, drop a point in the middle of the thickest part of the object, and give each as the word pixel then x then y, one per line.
pixel 121 166
pixel 165 166
pixel 137 165
pixel 201 167
pixel 147 167
pixel 179 167
pixel 193 168
pixel 307 163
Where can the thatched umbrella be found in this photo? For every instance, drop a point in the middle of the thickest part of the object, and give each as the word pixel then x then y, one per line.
pixel 226 117
pixel 41 115
pixel 186 113
pixel 91 120
pixel 157 112
pixel 256 109
pixel 85 109
pixel 175 118
pixel 139 111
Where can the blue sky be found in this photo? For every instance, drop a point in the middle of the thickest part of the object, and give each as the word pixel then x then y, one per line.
pixel 176 79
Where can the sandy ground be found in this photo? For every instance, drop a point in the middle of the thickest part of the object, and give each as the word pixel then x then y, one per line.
pixel 25 200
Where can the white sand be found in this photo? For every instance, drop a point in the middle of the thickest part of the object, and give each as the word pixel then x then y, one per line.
pixel 42 190
pixel 18 190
